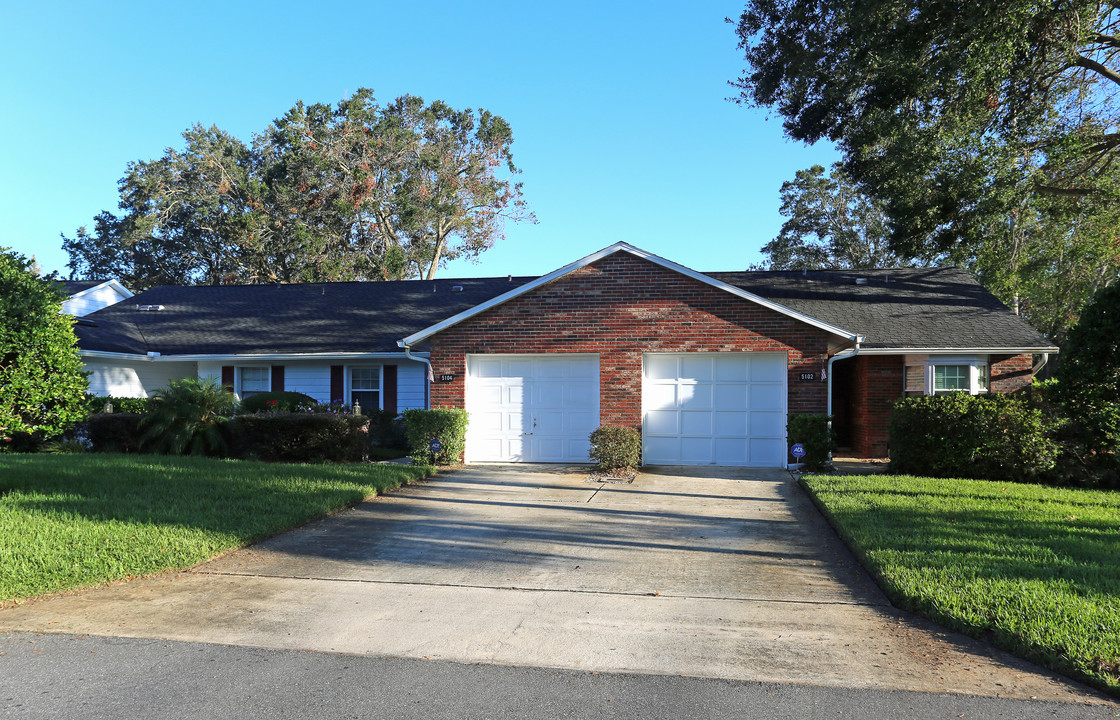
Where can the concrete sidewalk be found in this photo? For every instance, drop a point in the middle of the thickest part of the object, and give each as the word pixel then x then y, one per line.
pixel 714 572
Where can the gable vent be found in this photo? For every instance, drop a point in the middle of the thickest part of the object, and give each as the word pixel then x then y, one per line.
pixel 149 308
pixel 456 288
pixel 861 281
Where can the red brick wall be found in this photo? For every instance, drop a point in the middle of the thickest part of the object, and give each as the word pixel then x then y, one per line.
pixel 1009 373
pixel 877 382
pixel 620 307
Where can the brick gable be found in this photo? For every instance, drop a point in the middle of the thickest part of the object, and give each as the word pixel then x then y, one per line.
pixel 621 307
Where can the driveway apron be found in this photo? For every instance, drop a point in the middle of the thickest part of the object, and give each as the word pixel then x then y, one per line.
pixel 716 572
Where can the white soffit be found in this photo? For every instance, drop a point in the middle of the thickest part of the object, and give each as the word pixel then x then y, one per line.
pixel 636 252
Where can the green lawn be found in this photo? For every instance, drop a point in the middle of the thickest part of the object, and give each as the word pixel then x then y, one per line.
pixel 1034 569
pixel 69 521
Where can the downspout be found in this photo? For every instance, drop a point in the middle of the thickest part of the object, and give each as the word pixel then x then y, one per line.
pixel 1041 364
pixel 843 355
pixel 431 377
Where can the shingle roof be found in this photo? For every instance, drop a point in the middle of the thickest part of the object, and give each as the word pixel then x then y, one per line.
pixel 900 308
pixel 907 308
pixel 272 319
pixel 73 287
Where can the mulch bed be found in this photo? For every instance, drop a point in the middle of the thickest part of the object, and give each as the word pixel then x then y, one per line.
pixel 619 476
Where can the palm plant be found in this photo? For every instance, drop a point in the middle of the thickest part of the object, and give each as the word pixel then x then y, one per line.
pixel 188 418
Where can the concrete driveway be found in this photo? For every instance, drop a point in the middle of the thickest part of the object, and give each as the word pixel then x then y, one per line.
pixel 716 572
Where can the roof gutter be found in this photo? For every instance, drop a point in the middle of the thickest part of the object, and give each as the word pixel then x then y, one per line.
pixel 239 357
pixel 958 351
pixel 408 354
pixel 842 355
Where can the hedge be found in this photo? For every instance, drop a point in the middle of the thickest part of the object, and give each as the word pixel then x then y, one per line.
pixel 987 437
pixel 278 401
pixel 448 425
pixel 300 437
pixel 95 404
pixel 815 434
pixel 114 432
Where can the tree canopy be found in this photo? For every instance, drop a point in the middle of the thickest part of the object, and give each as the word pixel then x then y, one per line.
pixel 830 224
pixel 989 132
pixel 357 190
pixel 42 385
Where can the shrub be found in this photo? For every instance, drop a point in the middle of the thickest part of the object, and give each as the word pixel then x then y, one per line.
pixel 42 384
pixel 300 436
pixel 614 447
pixel 1089 374
pixel 448 425
pixel 114 432
pixel 188 418
pixel 280 401
pixel 386 429
pixel 815 433
pixel 96 404
pixel 988 437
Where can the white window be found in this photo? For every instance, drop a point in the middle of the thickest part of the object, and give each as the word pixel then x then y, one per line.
pixel 365 387
pixel 253 380
pixel 949 374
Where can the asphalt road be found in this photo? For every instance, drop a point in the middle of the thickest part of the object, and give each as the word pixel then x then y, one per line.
pixel 67 676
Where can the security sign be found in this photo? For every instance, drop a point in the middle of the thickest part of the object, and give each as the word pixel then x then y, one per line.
pixel 798 450
pixel 435 446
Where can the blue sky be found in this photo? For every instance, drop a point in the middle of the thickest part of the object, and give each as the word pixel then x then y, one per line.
pixel 618 111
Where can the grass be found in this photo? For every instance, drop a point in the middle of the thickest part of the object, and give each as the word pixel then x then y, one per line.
pixel 1034 569
pixel 72 521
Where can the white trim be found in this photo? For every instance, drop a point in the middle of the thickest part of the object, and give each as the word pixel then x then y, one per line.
pixel 957 351
pixel 239 379
pixel 348 383
pixel 637 252
pixel 249 358
pixel 114 284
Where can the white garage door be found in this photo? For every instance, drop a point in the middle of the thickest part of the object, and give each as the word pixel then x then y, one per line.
pixel 531 408
pixel 714 409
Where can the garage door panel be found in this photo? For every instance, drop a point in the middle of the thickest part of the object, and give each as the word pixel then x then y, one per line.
pixel 696 368
pixel 662 422
pixel 514 395
pixel 730 424
pixel 661 367
pixel 696 451
pixel 584 369
pixel 582 423
pixel 731 451
pixel 714 408
pixel 581 395
pixel 767 397
pixel 729 368
pixel 768 368
pixel 490 422
pixel 695 397
pixel 548 395
pixel 696 423
pixel 488 368
pixel 730 397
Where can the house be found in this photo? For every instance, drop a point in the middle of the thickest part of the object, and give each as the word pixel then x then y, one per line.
pixel 706 365
pixel 87 296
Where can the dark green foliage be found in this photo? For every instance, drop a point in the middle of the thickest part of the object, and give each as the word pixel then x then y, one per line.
pixel 448 425
pixel 42 386
pixel 1088 378
pixel 815 433
pixel 614 447
pixel 386 429
pixel 830 225
pixel 96 404
pixel 358 190
pixel 114 432
pixel 300 436
pixel 189 418
pixel 281 401
pixel 992 437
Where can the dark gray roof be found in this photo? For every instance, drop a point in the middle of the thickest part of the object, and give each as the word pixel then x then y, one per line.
pixel 918 308
pixel 73 287
pixel 267 319
pixel 900 308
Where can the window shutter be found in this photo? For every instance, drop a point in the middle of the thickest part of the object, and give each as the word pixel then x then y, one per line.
pixel 338 385
pixel 389 390
pixel 227 377
pixel 277 378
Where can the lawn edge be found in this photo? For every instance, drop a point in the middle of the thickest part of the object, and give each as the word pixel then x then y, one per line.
pixel 906 603
pixel 430 471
